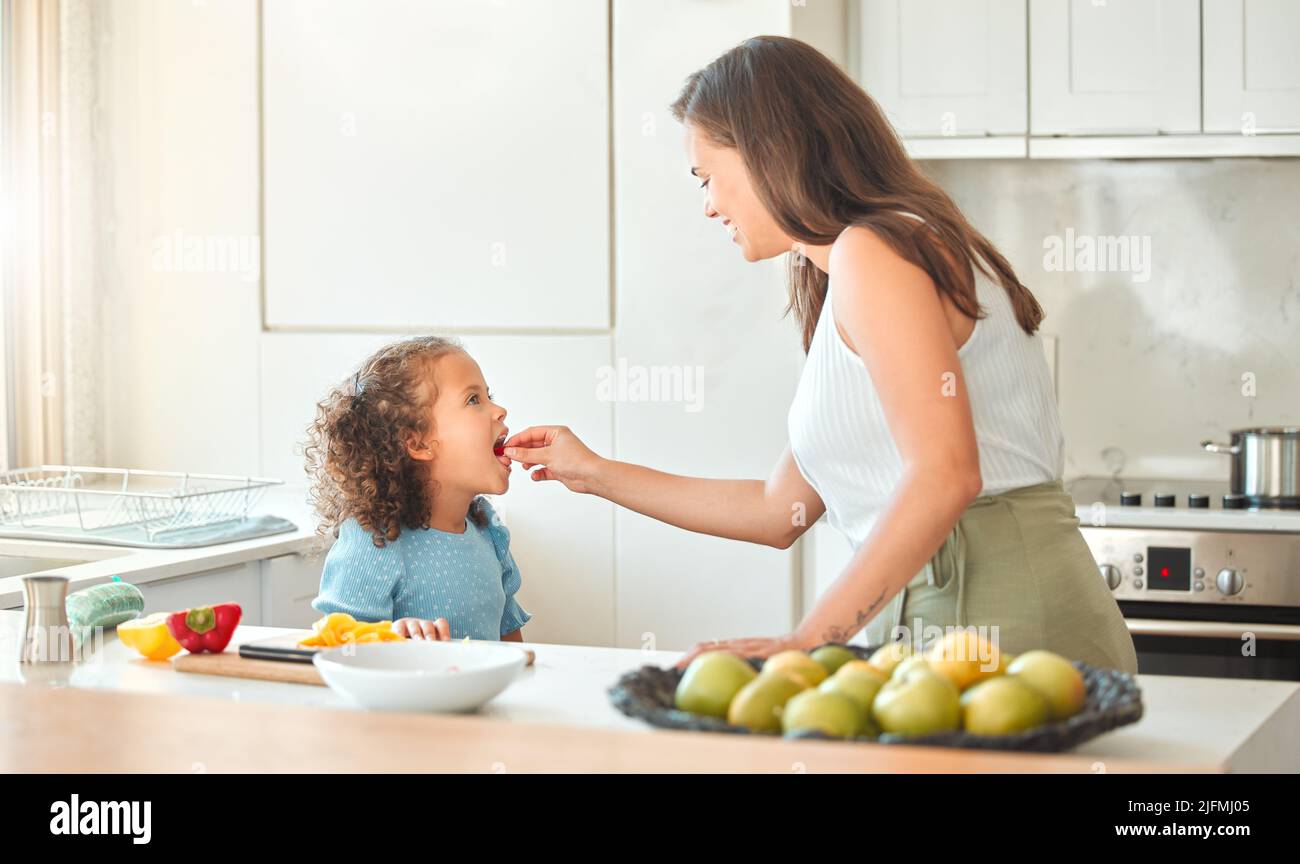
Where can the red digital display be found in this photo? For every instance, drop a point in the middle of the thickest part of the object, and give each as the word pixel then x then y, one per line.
pixel 1174 566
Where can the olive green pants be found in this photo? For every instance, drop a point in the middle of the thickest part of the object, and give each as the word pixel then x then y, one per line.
pixel 1016 562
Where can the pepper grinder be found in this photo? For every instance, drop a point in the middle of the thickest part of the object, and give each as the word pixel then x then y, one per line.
pixel 46 635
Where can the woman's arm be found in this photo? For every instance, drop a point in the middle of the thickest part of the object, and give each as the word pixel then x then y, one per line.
pixel 774 512
pixel 891 315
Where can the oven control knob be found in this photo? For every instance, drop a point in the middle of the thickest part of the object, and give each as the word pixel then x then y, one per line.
pixel 1229 581
pixel 1111 574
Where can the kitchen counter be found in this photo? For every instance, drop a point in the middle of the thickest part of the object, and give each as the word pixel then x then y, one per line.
pixel 141 566
pixel 117 712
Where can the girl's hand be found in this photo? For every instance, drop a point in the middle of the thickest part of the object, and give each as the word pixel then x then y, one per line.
pixel 418 628
pixel 760 646
pixel 561 454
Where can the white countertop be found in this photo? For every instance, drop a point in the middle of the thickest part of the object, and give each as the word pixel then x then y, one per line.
pixel 140 566
pixel 1202 722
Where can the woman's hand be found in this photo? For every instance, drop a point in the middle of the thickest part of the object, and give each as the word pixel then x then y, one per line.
pixel 760 646
pixel 561 453
pixel 418 628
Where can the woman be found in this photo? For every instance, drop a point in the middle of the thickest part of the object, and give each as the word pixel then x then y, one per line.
pixel 924 424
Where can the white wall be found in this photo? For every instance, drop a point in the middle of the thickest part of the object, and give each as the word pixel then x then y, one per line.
pixel 1153 363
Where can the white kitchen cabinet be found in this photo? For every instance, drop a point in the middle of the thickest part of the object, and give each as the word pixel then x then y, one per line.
pixel 436 164
pixel 946 68
pixel 289 584
pixel 715 325
pixel 240 584
pixel 1114 68
pixel 1252 66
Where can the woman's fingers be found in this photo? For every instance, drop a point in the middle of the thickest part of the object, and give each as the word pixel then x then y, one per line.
pixel 699 649
pixel 527 455
pixel 757 647
pixel 533 436
pixel 442 630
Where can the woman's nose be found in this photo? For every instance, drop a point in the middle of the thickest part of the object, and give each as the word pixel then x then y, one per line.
pixel 708 208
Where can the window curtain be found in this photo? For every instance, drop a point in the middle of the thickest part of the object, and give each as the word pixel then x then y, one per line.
pixel 53 339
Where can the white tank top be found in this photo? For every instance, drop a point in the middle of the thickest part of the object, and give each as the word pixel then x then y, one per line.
pixel 842 444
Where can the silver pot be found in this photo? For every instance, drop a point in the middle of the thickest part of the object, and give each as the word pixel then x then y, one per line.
pixel 1265 463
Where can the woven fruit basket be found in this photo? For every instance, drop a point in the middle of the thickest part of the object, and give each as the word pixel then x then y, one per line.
pixel 1113 700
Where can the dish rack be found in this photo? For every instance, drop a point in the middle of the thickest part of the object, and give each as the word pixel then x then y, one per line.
pixel 89 501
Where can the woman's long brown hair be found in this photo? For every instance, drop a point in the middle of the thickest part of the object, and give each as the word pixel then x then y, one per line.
pixel 823 157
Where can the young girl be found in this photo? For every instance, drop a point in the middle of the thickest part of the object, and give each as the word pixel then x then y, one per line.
pixel 399 454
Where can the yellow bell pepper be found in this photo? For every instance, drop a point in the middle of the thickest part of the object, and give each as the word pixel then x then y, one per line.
pixel 149 636
pixel 340 628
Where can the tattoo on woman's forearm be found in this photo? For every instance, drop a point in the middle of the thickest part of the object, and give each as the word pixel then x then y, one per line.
pixel 836 633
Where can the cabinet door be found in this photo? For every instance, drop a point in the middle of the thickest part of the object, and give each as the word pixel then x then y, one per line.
pixel 946 67
pixel 1252 66
pixel 715 327
pixel 240 584
pixel 1114 68
pixel 289 584
pixel 432 165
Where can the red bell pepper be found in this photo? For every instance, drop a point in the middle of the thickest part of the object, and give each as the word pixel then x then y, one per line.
pixel 205 628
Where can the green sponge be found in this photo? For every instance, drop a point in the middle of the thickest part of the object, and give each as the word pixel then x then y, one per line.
pixel 105 605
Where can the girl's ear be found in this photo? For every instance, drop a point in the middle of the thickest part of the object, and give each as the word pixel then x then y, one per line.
pixel 420 451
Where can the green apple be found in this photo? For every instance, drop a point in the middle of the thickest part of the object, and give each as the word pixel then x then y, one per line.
pixel 711 681
pixel 859 685
pixel 832 714
pixel 1002 706
pixel 917 701
pixel 902 669
pixel 833 657
pixel 890 655
pixel 798 664
pixel 1054 677
pixel 759 703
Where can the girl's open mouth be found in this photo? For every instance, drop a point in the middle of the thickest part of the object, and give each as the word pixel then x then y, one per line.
pixel 499 451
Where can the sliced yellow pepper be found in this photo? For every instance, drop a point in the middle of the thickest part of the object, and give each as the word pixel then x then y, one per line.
pixel 340 628
pixel 149 636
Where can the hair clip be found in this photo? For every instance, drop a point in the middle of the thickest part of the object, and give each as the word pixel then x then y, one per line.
pixel 358 389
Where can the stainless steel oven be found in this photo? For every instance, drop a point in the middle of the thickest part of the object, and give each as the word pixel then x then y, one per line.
pixel 1209 585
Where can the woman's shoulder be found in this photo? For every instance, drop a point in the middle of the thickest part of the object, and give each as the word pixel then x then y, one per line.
pixel 861 244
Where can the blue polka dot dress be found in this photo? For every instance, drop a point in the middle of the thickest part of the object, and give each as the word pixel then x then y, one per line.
pixel 470 579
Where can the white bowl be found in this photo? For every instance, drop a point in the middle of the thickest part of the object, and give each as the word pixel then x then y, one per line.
pixel 418 675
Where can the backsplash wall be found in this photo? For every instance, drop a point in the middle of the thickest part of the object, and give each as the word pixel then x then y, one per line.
pixel 1202 338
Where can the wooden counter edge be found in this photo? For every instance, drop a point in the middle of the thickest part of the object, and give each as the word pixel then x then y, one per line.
pixel 58 730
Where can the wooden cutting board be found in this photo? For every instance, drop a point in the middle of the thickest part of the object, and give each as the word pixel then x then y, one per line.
pixel 230 664
pixel 295 668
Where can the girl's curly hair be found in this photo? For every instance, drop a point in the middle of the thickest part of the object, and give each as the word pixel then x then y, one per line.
pixel 356 447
